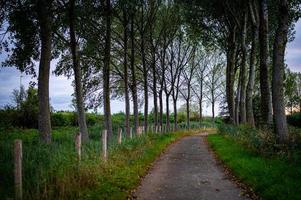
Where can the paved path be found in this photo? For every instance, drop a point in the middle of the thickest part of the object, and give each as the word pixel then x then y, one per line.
pixel 187 171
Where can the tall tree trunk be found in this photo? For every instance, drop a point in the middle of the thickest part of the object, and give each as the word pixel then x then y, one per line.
pixel 161 107
pixel 167 113
pixel 77 75
pixel 201 99
pixel 266 111
pixel 237 103
pixel 162 84
pixel 45 23
pixel 155 89
pixel 212 109
pixel 243 85
pixel 278 72
pixel 125 68
pixel 250 87
pixel 188 113
pixel 106 72
pixel 188 104
pixel 145 82
pixel 175 113
pixel 153 67
pixel 133 72
pixel 231 52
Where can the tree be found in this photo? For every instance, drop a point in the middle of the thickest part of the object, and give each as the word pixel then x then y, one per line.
pixel 291 90
pixel 44 9
pixel 18 96
pixel 243 79
pixel 106 70
pixel 266 104
pixel 278 72
pixel 254 37
pixel 214 80
pixel 187 75
pixel 77 73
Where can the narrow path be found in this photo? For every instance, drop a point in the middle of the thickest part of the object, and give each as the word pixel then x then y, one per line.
pixel 187 171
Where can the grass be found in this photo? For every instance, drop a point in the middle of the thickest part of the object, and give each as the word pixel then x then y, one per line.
pixel 271 178
pixel 52 171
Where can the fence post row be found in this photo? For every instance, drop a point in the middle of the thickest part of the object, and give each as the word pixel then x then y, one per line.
pixel 18 168
pixel 104 145
pixel 119 136
pixel 78 144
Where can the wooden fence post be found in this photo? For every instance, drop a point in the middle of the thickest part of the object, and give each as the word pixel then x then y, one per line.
pixel 18 168
pixel 78 145
pixel 119 136
pixel 104 145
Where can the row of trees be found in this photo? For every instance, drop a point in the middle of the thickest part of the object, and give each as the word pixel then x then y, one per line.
pixel 120 49
pixel 159 50
pixel 253 32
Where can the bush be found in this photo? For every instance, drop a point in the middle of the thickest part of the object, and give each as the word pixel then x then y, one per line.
pixel 25 115
pixel 264 141
pixel 294 119
pixel 62 119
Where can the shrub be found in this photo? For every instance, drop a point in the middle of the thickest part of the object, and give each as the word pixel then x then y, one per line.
pixel 294 119
pixel 264 140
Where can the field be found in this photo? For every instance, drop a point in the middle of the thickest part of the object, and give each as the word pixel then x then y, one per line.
pixel 52 171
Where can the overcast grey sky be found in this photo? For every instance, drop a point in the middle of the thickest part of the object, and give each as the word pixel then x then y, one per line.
pixel 61 89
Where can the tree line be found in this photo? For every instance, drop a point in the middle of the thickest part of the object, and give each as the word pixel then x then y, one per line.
pixel 161 50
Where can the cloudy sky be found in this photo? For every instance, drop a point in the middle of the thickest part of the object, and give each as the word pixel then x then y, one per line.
pixel 61 89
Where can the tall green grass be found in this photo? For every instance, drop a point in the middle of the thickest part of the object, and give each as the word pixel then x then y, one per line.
pixel 263 141
pixel 271 178
pixel 52 171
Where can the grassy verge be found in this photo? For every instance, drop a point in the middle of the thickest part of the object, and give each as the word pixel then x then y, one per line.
pixel 52 171
pixel 271 178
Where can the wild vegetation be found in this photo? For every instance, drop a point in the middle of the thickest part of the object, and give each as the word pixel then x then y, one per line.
pixel 269 177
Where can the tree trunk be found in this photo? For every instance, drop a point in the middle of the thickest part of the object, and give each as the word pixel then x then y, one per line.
pixel 155 90
pixel 125 68
pixel 106 72
pixel 201 98
pixel 175 113
pixel 167 113
pixel 161 107
pixel 188 113
pixel 133 72
pixel 237 104
pixel 145 82
pixel 153 60
pixel 250 87
pixel 212 109
pixel 278 73
pixel 77 75
pixel 231 52
pixel 243 85
pixel 266 111
pixel 43 11
pixel 200 110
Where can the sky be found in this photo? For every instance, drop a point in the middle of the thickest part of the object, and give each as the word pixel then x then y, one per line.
pixel 61 89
